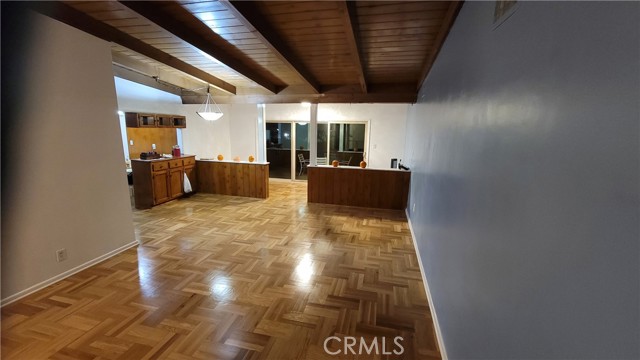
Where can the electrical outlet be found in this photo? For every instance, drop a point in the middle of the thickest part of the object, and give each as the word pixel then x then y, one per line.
pixel 61 255
pixel 413 207
pixel 131 142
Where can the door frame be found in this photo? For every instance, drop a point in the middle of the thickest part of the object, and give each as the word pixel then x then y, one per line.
pixel 292 177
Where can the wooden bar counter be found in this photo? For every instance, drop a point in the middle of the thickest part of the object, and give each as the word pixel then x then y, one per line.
pixel 353 186
pixel 237 178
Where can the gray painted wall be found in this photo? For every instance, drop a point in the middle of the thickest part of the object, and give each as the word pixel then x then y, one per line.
pixel 524 151
pixel 63 170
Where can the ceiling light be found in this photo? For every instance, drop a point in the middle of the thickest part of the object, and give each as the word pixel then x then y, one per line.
pixel 210 110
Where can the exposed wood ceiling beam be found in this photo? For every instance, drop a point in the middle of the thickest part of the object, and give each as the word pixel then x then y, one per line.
pixel 246 12
pixel 150 71
pixel 356 98
pixel 447 23
pixel 351 29
pixel 72 17
pixel 210 44
pixel 131 75
pixel 383 93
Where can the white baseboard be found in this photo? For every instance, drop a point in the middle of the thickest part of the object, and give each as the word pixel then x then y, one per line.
pixel 436 325
pixel 15 297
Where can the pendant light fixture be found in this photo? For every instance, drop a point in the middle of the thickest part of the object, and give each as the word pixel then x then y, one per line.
pixel 210 110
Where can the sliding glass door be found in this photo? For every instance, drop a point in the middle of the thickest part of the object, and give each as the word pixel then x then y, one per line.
pixel 288 146
pixel 301 160
pixel 278 137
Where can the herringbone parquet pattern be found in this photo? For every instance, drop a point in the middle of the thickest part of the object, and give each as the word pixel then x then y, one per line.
pixel 221 277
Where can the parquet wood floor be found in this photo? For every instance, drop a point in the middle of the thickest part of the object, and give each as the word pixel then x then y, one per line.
pixel 221 277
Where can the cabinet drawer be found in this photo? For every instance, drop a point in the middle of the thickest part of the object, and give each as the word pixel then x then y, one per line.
pixel 189 161
pixel 156 166
pixel 175 163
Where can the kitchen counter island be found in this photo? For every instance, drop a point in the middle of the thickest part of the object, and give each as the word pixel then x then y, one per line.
pixel 237 178
pixel 354 186
pixel 156 181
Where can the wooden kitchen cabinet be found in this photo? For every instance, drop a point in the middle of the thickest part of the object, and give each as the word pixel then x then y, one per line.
pixel 165 121
pixel 140 120
pixel 161 180
pixel 160 187
pixel 175 182
pixel 133 119
pixel 179 121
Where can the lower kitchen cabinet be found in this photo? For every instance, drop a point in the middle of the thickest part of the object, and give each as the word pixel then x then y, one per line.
pixel 175 182
pixel 161 180
pixel 160 187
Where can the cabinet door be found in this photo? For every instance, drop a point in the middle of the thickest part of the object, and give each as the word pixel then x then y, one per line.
pixel 175 182
pixel 191 174
pixel 179 121
pixel 146 120
pixel 164 120
pixel 160 187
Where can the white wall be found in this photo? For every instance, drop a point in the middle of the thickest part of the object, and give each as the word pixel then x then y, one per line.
pixel 64 183
pixel 386 124
pixel 136 97
pixel 242 130
pixel 235 133
pixel 525 170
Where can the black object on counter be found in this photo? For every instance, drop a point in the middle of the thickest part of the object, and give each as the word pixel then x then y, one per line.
pixel 149 155
pixel 402 167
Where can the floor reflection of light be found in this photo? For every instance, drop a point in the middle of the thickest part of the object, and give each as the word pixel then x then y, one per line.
pixel 221 288
pixel 145 276
pixel 304 270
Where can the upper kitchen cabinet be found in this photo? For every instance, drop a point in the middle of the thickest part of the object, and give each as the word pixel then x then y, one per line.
pixel 155 120
pixel 140 120
pixel 179 121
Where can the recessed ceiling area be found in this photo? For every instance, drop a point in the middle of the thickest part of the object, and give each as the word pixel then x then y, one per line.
pixel 269 51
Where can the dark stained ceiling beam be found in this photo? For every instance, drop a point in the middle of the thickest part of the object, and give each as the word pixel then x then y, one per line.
pixel 246 12
pixel 193 34
pixel 175 79
pixel 146 80
pixel 72 17
pixel 447 23
pixel 351 29
pixel 354 98
pixel 378 93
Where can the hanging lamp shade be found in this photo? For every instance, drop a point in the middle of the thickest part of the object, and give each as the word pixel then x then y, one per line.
pixel 210 110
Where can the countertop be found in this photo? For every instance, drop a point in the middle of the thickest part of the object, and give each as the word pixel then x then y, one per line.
pixel 234 162
pixel 165 158
pixel 356 168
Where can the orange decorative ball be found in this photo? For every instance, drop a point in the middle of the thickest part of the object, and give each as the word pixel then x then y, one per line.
pixel 237 158
pixel 363 164
pixel 220 157
pixel 335 163
pixel 251 158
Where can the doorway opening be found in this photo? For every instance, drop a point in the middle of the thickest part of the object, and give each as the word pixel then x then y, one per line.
pixel 288 146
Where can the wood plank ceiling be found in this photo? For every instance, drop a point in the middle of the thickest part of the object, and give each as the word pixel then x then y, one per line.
pixel 269 51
